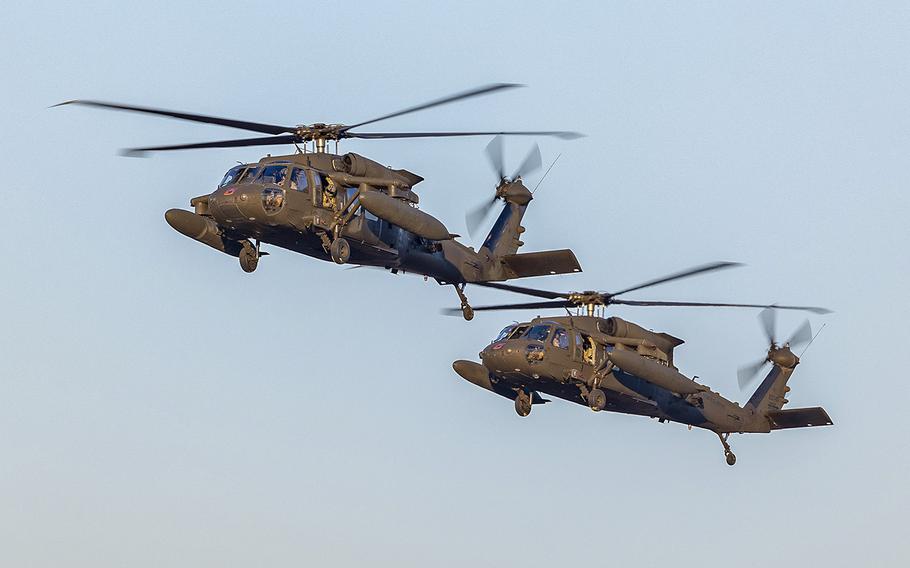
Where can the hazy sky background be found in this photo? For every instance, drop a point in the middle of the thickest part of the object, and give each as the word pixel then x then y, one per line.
pixel 159 407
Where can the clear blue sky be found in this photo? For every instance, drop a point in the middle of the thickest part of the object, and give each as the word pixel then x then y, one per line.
pixel 158 407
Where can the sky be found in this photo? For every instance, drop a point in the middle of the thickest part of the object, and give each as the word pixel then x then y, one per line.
pixel 159 407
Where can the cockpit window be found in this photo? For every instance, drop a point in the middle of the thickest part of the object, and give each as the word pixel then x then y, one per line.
pixel 299 180
pixel 272 175
pixel 518 332
pixel 561 338
pixel 248 176
pixel 232 176
pixel 504 333
pixel 538 333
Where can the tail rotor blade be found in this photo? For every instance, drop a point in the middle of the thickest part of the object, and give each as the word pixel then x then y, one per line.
pixel 747 374
pixel 531 163
pixel 801 336
pixel 495 155
pixel 476 217
pixel 768 318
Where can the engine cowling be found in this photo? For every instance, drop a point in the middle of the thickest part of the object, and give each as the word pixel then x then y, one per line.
pixel 357 165
pixel 618 327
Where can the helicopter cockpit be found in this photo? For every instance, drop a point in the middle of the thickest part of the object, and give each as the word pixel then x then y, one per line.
pixel 551 335
pixel 233 175
pixel 270 175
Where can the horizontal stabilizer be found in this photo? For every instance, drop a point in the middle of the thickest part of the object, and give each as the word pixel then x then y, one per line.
pixel 799 418
pixel 541 263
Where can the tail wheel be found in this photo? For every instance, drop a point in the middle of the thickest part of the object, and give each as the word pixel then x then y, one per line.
pixel 340 250
pixel 731 458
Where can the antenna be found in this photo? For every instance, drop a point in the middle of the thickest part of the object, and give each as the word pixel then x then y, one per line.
pixel 545 174
pixel 810 341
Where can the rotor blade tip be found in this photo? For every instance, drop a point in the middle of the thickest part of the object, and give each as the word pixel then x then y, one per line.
pixel 133 153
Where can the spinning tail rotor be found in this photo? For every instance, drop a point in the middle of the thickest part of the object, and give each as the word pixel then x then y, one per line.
pixel 494 151
pixel 777 354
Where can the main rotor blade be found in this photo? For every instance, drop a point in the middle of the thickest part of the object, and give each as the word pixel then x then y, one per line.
pixel 680 275
pixel 714 305
pixel 438 102
pixel 801 336
pixel 494 152
pixel 241 124
pixel 522 290
pixel 261 141
pixel 768 319
pixel 531 163
pixel 565 135
pixel 527 306
pixel 747 373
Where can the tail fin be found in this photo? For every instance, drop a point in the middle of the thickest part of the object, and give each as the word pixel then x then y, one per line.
pixel 770 394
pixel 504 236
pixel 770 397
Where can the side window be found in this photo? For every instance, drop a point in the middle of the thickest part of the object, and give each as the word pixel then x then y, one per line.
pixel 561 339
pixel 349 193
pixel 299 180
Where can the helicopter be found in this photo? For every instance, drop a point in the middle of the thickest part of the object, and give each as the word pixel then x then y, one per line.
pixel 607 363
pixel 347 208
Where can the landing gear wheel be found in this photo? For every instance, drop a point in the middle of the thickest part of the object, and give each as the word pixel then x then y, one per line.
pixel 728 453
pixel 466 310
pixel 523 403
pixel 597 400
pixel 249 258
pixel 340 250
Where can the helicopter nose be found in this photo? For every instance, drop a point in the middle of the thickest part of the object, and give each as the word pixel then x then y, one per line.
pixel 246 203
pixel 504 356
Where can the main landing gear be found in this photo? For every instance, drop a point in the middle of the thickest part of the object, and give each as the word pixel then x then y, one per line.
pixel 249 256
pixel 597 400
pixel 340 249
pixel 467 311
pixel 728 453
pixel 523 403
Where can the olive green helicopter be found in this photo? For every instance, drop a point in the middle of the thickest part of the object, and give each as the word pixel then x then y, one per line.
pixel 350 209
pixel 607 363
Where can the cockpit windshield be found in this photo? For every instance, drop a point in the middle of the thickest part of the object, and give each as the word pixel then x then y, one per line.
pixel 272 175
pixel 504 333
pixel 538 333
pixel 248 176
pixel 232 176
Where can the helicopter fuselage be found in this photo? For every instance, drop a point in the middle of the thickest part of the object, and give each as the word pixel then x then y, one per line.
pixel 570 356
pixel 308 202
